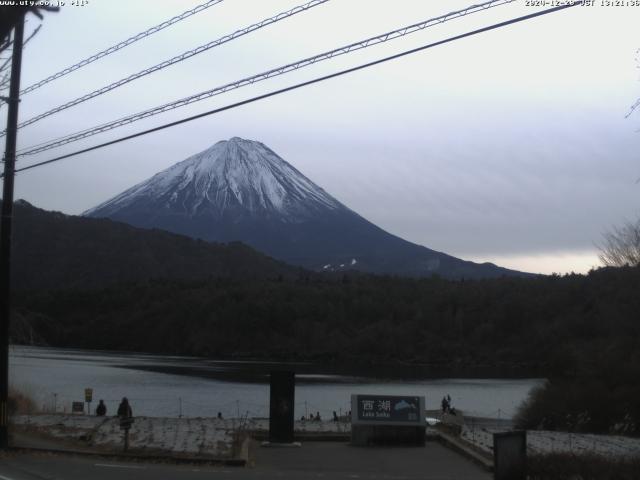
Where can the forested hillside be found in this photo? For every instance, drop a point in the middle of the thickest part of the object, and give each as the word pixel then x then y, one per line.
pixel 562 325
pixel 173 295
pixel 54 250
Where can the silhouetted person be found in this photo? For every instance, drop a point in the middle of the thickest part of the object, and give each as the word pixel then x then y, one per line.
pixel 335 416
pixel 126 420
pixel 317 419
pixel 445 405
pixel 219 415
pixel 101 409
pixel 124 409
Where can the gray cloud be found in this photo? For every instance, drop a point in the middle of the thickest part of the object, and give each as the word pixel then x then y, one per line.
pixel 513 143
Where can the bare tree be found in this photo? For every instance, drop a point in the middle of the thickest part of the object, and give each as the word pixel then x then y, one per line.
pixel 621 245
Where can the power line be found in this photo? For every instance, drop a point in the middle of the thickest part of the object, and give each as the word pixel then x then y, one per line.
pixel 4 82
pixel 304 84
pixel 121 45
pixel 24 44
pixel 178 58
pixel 636 105
pixel 385 37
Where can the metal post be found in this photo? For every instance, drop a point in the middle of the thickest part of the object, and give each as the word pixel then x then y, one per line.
pixel 5 229
pixel 570 445
pixel 473 430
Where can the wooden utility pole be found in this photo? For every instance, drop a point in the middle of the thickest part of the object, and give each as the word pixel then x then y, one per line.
pixel 5 228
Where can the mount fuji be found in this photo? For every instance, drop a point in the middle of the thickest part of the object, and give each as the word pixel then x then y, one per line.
pixel 241 190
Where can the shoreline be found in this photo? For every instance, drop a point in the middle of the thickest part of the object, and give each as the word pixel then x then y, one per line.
pixel 354 367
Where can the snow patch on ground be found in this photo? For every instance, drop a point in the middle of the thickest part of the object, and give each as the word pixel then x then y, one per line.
pixel 202 437
pixel 210 437
pixel 542 442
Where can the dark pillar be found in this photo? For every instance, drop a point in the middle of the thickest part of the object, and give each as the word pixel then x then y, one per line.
pixel 281 403
pixel 510 455
pixel 5 229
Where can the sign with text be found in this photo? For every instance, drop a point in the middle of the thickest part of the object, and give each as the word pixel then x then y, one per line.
pixel 77 407
pixel 88 394
pixel 387 409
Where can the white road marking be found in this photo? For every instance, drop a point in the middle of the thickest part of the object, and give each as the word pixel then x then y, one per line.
pixel 207 471
pixel 112 465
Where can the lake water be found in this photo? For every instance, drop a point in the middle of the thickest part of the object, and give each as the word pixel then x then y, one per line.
pixel 195 387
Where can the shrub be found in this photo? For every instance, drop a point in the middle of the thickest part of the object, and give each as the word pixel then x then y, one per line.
pixel 20 403
pixel 584 405
pixel 561 466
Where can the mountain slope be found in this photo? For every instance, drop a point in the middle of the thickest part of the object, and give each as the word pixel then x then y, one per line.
pixel 53 250
pixel 241 190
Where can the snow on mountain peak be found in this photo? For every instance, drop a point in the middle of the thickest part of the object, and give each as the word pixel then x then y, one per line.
pixel 231 174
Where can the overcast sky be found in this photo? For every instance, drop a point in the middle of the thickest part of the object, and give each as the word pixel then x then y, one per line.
pixel 511 146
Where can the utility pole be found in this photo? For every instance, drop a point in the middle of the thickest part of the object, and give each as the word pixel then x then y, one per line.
pixel 5 227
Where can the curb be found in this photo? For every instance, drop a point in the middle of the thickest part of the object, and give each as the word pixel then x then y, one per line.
pixel 308 437
pixel 239 461
pixel 242 459
pixel 455 444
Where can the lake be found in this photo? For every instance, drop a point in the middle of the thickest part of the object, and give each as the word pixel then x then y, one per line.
pixel 169 386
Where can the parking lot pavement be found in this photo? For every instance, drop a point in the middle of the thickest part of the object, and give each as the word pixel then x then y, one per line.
pixel 313 460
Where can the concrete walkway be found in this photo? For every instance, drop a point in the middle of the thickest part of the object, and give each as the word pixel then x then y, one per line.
pixel 340 460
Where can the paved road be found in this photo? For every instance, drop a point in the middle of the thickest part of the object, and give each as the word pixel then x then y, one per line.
pixel 319 460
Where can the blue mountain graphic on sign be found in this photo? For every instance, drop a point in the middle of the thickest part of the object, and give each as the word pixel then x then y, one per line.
pixel 403 404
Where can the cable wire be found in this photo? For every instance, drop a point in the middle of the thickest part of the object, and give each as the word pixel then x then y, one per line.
pixel 385 37
pixel 178 58
pixel 304 84
pixel 121 45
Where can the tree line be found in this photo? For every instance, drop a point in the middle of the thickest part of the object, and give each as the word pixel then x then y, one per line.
pixel 580 331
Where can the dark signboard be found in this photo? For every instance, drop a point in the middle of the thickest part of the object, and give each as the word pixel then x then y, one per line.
pixel 77 407
pixel 388 409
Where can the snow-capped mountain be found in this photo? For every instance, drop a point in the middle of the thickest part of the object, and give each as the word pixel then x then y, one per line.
pixel 241 190
pixel 230 178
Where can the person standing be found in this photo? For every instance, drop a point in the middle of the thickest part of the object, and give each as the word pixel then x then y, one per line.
pixel 101 409
pixel 124 409
pixel 446 404
pixel 126 420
